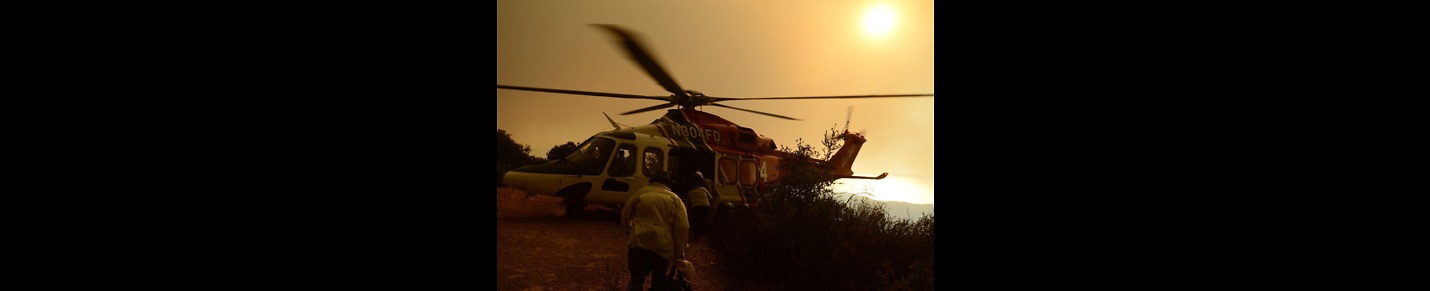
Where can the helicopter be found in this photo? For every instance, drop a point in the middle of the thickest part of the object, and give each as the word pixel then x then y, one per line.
pixel 610 166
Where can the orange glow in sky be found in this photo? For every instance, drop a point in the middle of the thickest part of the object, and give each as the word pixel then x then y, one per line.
pixel 740 49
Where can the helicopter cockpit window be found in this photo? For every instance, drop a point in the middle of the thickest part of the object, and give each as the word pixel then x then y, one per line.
pixel 653 161
pixel 591 156
pixel 624 164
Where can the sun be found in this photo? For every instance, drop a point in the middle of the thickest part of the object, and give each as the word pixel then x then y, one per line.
pixel 879 20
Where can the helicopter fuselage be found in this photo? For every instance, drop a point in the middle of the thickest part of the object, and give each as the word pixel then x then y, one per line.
pixel 610 166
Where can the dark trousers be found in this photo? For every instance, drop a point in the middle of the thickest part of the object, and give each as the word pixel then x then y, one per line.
pixel 699 218
pixel 644 262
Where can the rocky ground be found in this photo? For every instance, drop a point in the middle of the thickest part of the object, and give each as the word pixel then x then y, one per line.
pixel 539 249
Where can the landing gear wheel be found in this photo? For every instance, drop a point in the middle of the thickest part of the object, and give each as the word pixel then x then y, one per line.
pixel 575 209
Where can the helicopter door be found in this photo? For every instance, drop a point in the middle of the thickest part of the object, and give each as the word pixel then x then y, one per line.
pixel 682 164
pixel 748 173
pixel 727 172
pixel 749 179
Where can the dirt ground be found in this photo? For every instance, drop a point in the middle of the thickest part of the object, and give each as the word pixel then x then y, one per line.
pixel 539 249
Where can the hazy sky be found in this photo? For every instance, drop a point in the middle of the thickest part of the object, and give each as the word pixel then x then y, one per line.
pixel 732 49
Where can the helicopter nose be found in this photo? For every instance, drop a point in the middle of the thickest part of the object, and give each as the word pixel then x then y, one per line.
pixel 535 183
pixel 514 180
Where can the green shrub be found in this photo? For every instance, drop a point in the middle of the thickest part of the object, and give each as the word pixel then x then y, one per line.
pixel 802 237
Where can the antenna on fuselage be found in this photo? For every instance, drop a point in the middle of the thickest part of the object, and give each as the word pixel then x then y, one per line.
pixel 613 121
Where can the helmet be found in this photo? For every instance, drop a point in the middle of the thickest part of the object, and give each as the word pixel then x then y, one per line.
pixel 685 267
pixel 699 175
pixel 660 176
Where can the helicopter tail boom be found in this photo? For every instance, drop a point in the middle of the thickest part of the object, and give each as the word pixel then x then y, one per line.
pixel 840 164
pixel 881 176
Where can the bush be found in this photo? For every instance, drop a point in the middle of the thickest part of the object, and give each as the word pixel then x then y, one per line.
pixel 560 151
pixel 803 238
pixel 511 155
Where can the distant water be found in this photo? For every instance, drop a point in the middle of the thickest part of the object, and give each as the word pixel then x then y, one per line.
pixel 903 187
pixel 895 209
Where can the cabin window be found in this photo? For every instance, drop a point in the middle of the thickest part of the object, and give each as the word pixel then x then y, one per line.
pixel 653 161
pixel 727 170
pixel 747 173
pixel 591 156
pixel 624 162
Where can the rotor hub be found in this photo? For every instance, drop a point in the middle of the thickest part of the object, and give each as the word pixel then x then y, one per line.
pixel 691 99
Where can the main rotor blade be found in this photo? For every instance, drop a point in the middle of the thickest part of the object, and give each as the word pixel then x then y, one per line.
pixel 602 94
pixel 756 112
pixel 638 53
pixel 649 108
pixel 718 99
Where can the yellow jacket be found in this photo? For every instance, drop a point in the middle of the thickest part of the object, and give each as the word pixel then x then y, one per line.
pixel 655 220
pixel 699 196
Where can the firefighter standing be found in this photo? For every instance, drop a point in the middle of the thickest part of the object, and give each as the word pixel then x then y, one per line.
pixel 700 202
pixel 658 229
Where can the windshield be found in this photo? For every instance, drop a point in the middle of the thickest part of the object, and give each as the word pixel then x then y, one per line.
pixel 591 155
